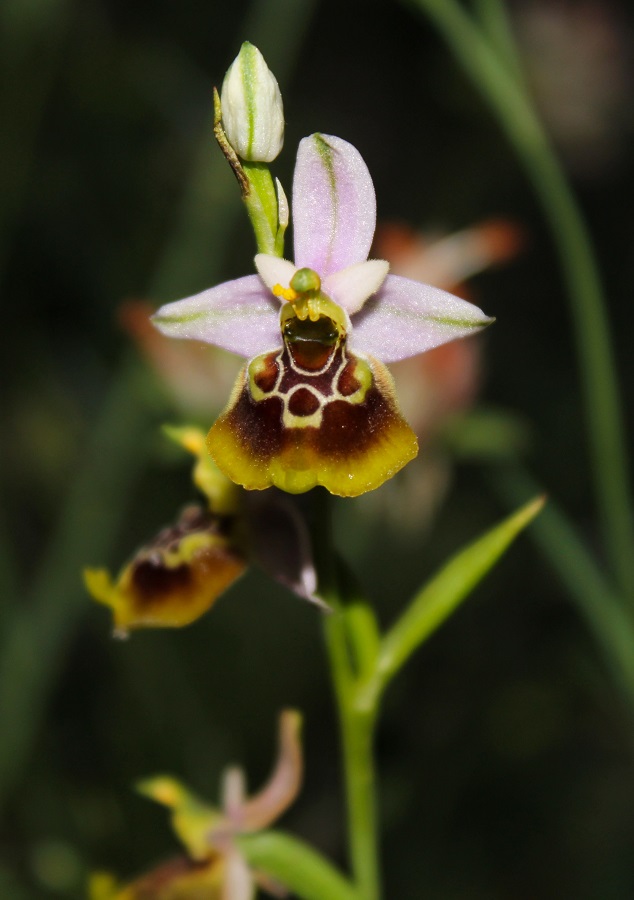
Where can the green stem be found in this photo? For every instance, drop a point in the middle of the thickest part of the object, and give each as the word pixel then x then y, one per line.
pixel 505 95
pixel 261 204
pixel 357 725
pixel 357 732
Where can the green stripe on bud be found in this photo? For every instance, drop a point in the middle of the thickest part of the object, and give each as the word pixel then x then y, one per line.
pixel 252 111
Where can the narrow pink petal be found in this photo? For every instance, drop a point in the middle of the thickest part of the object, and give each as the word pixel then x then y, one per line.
pixel 285 781
pixel 334 207
pixel 233 793
pixel 407 317
pixel 273 270
pixel 241 316
pixel 351 287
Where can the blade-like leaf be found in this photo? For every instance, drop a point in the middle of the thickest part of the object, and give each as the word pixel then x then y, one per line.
pixel 302 870
pixel 440 596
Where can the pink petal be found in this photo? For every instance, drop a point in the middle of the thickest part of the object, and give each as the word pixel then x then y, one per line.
pixel 351 287
pixel 407 317
pixel 241 316
pixel 233 793
pixel 285 781
pixel 334 207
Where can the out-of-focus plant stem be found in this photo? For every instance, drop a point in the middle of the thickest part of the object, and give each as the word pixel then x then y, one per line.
pixel 489 69
pixel 357 734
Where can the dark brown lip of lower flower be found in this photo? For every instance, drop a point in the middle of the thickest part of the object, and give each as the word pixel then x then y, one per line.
pixel 193 519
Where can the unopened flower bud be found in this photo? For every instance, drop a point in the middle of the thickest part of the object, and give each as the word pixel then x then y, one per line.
pixel 252 112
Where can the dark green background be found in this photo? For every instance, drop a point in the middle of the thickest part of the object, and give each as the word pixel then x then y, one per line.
pixel 505 753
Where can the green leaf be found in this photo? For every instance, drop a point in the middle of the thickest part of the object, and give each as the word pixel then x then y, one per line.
pixel 297 866
pixel 442 595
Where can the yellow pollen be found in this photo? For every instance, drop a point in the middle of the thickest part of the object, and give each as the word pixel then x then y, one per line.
pixel 285 293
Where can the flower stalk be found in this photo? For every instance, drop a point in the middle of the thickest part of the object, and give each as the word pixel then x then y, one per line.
pixel 356 724
pixel 257 189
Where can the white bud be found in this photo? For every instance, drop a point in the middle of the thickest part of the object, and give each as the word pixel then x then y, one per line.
pixel 252 112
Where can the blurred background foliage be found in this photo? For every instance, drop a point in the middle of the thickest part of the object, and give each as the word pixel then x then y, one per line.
pixel 506 755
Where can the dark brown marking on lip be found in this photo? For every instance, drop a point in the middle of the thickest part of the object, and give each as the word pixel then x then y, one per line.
pixel 170 874
pixel 347 430
pixel 320 381
pixel 303 403
pixel 310 355
pixel 151 579
pixel 266 378
pixel 258 423
pixel 347 382
pixel 311 343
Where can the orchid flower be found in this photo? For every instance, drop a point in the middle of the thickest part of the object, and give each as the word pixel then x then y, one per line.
pixel 315 404
pixel 213 867
pixel 178 576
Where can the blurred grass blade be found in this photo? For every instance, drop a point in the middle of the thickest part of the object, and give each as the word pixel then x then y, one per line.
pixel 447 589
pixel 603 610
pixel 488 69
pixel 306 873
pixel 494 16
pixel 39 627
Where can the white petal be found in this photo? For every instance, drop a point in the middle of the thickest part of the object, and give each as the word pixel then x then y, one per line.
pixel 351 287
pixel 283 213
pixel 273 270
